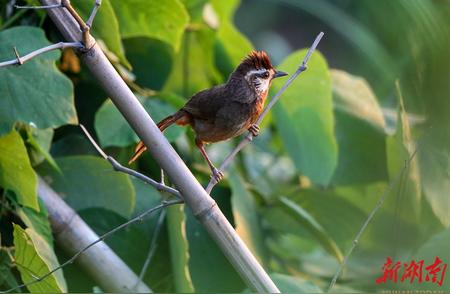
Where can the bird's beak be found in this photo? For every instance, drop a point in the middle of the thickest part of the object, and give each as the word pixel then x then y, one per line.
pixel 279 73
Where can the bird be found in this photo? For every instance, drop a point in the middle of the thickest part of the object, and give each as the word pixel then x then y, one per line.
pixel 227 110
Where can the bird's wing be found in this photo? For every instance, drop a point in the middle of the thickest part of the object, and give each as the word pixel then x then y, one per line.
pixel 206 104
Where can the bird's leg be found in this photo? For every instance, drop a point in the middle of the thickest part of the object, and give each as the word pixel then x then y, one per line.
pixel 216 174
pixel 254 129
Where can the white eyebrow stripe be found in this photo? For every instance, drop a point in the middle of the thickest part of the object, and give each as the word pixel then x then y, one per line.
pixel 258 71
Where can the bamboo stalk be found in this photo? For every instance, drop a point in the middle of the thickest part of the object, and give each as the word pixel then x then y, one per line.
pixel 202 205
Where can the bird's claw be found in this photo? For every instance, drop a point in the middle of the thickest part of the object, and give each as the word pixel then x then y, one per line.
pixel 254 129
pixel 217 175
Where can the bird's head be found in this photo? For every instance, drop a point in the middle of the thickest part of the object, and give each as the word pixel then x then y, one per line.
pixel 257 70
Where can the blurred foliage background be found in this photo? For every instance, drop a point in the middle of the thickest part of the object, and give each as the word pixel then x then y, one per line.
pixel 375 94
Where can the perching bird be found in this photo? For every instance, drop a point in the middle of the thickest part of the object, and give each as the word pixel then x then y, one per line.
pixel 228 110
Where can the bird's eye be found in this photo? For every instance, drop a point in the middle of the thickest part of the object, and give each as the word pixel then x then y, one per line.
pixel 265 75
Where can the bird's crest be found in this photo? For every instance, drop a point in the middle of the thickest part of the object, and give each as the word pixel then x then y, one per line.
pixel 258 60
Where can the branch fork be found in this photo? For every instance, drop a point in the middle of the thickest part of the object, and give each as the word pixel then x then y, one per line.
pixel 85 45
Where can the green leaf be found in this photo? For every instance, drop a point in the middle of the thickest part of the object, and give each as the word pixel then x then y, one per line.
pixel 35 258
pixel 304 118
pixel 162 20
pixel 35 92
pixel 399 149
pixel 16 172
pixel 313 226
pixel 88 181
pixel 354 96
pixel 122 135
pixel 179 249
pixel 245 215
pixel 105 26
pixel 37 221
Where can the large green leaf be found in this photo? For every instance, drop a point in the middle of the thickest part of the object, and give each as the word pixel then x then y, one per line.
pixel 105 26
pixel 87 181
pixel 36 92
pixel 162 20
pixel 179 249
pixel 245 216
pixel 121 134
pixel 16 172
pixel 34 258
pixel 304 118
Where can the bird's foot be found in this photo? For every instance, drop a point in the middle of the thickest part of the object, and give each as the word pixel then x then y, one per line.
pixel 217 175
pixel 254 129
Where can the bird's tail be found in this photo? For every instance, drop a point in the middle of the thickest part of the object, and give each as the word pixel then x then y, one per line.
pixel 162 125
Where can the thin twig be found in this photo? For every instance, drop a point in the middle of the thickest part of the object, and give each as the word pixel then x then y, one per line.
pixel 140 217
pixel 249 137
pixel 19 60
pixel 93 13
pixel 39 7
pixel 380 202
pixel 152 249
pixel 120 168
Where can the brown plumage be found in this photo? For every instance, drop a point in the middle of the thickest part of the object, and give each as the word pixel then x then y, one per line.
pixel 225 111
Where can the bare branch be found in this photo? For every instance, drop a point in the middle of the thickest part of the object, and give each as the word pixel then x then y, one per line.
pixel 120 168
pixel 40 7
pixel 84 26
pixel 93 13
pixel 99 150
pixel 21 60
pixel 249 137
pixel 380 202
